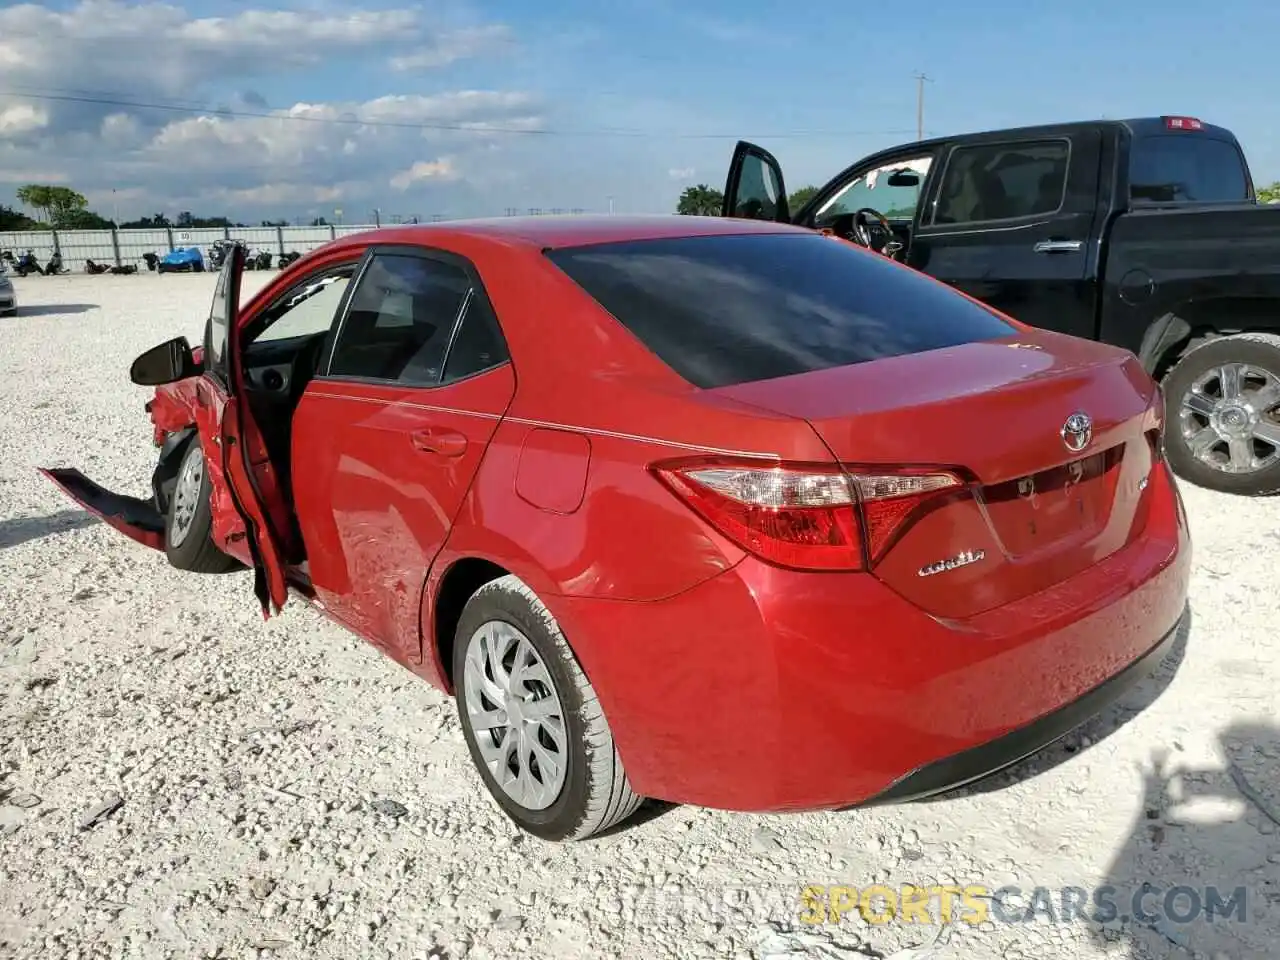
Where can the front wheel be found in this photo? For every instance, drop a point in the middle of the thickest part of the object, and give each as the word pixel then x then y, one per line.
pixel 1222 413
pixel 188 528
pixel 531 718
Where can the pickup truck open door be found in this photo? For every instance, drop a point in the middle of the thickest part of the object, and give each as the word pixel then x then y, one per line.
pixel 755 189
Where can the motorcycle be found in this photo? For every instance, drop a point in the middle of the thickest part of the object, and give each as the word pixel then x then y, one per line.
pixel 218 251
pixel 288 258
pixel 25 264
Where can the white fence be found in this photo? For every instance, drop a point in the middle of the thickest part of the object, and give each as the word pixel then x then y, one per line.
pixel 120 247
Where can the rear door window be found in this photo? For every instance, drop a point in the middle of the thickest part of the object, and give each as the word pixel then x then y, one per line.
pixel 400 319
pixel 1003 181
pixel 733 309
pixel 1186 167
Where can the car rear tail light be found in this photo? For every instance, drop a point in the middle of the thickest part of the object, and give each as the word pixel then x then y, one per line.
pixel 1182 123
pixel 804 516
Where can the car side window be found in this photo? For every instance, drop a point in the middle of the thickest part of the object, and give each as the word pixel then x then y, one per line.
pixel 308 308
pixel 399 320
pixel 1003 181
pixel 478 345
pixel 758 190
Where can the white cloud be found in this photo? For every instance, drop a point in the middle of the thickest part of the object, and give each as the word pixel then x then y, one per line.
pixel 442 169
pixel 22 118
pixel 451 46
pixel 103 72
pixel 682 173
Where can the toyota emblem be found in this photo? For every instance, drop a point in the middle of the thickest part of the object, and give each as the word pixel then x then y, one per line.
pixel 1077 431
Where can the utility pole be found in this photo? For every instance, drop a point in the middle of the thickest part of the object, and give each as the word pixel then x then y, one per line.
pixel 920 81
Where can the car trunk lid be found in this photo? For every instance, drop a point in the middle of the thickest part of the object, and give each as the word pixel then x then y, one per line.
pixel 1033 511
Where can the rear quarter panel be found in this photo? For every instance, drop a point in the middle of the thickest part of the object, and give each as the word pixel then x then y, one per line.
pixel 1214 266
pixel 619 533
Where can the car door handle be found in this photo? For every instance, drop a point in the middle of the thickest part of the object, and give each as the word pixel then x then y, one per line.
pixel 1058 246
pixel 446 443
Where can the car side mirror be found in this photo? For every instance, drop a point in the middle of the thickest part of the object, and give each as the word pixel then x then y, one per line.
pixel 904 178
pixel 165 363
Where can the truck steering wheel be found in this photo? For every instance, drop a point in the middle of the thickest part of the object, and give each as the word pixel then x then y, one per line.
pixel 862 228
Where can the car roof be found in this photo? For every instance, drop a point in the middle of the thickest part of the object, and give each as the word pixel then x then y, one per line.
pixel 550 232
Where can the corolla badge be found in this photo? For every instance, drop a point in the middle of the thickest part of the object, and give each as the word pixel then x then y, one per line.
pixel 951 563
pixel 1077 431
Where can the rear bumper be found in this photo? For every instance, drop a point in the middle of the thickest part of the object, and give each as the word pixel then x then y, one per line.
pixel 764 689
pixel 979 762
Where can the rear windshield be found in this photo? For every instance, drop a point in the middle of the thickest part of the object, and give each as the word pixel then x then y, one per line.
pixel 727 310
pixel 1186 167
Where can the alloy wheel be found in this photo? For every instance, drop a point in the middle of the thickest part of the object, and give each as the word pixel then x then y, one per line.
pixel 1228 418
pixel 516 715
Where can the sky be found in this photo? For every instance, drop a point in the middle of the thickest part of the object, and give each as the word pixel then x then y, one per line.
pixel 257 110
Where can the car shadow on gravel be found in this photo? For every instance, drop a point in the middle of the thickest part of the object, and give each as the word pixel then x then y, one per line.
pixel 1091 732
pixel 54 309
pixel 23 529
pixel 1199 874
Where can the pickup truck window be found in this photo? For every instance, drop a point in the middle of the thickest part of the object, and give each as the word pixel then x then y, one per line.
pixel 725 310
pixel 1003 181
pixel 1184 166
pixel 876 189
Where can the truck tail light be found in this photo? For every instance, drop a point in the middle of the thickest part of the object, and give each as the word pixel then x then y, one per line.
pixel 1182 123
pixel 804 516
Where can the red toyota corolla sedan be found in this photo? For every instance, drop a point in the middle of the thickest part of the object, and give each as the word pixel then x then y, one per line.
pixel 713 511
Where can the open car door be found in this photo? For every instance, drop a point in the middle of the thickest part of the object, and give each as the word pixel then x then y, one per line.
pixel 246 467
pixel 755 190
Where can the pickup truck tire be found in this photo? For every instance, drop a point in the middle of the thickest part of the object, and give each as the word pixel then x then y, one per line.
pixel 188 524
pixel 1222 414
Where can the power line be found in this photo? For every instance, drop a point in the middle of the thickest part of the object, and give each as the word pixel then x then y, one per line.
pixel 473 127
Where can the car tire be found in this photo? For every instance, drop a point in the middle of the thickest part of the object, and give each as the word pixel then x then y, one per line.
pixel 188 527
pixel 1195 402
pixel 505 619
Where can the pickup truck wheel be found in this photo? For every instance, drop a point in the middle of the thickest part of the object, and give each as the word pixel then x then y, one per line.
pixel 1222 415
pixel 188 528
pixel 531 719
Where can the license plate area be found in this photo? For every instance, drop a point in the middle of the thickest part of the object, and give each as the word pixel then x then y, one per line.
pixel 1067 503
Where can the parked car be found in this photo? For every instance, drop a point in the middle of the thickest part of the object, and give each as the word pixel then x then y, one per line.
pixel 8 297
pixel 717 512
pixel 181 260
pixel 1141 233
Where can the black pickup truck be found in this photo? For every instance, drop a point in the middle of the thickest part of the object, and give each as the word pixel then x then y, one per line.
pixel 1146 234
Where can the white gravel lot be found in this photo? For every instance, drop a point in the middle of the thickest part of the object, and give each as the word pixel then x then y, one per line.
pixel 287 792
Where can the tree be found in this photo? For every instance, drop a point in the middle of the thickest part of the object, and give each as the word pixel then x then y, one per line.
pixel 83 220
pixel 700 201
pixel 1269 194
pixel 800 197
pixel 11 219
pixel 60 205
pixel 158 221
pixel 319 222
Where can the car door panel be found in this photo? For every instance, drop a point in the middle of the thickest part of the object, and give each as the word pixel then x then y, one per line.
pixel 1034 267
pixel 754 189
pixel 387 469
pixel 385 443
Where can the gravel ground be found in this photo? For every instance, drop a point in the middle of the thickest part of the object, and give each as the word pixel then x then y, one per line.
pixel 179 779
